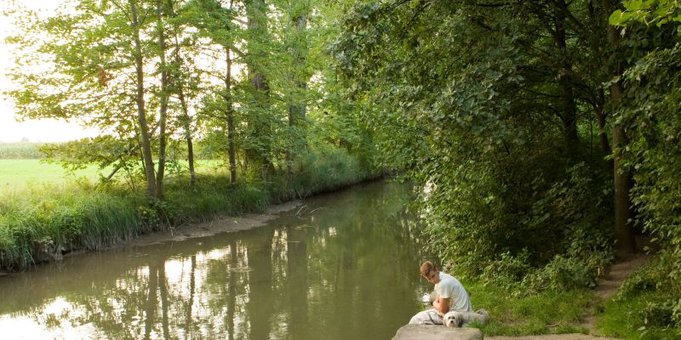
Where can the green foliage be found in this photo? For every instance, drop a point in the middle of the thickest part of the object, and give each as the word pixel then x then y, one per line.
pixel 648 300
pixel 528 252
pixel 660 314
pixel 559 274
pixel 507 270
pixel 651 115
pixel 514 188
pixel 325 167
pixel 102 151
pixel 658 12
pixel 213 195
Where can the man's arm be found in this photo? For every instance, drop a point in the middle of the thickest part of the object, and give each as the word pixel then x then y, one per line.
pixel 441 305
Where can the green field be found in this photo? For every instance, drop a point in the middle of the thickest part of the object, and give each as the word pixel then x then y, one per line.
pixel 19 174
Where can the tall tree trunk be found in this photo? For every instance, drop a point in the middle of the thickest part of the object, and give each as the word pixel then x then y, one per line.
pixel 231 129
pixel 297 106
pixel 257 25
pixel 186 125
pixel 163 110
pixel 602 134
pixel 622 182
pixel 139 99
pixel 569 108
pixel 185 119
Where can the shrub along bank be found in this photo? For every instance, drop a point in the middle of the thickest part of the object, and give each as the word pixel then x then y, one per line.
pixel 45 222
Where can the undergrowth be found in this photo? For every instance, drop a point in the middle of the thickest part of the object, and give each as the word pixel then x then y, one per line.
pixel 647 306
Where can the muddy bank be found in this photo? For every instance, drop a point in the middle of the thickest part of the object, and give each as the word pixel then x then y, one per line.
pixel 218 225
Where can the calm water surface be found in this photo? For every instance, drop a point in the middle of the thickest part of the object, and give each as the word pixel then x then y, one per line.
pixel 342 266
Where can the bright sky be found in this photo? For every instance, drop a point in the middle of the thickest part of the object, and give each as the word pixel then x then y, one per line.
pixel 45 130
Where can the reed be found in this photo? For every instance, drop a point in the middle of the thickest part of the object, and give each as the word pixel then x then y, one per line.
pixel 46 221
pixel 212 195
pixel 322 170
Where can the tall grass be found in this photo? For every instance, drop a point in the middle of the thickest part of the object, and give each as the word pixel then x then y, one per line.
pixel 324 168
pixel 45 221
pixel 213 195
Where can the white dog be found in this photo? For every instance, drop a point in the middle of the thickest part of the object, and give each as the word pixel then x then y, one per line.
pixel 458 319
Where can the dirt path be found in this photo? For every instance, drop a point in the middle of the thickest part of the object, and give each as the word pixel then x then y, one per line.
pixel 607 287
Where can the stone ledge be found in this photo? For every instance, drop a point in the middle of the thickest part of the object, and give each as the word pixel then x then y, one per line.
pixel 436 332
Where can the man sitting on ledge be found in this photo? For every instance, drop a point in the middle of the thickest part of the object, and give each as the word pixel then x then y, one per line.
pixel 450 295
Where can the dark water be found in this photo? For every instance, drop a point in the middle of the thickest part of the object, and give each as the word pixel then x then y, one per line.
pixel 342 266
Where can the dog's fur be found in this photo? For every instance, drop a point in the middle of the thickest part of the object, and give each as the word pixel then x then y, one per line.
pixel 458 319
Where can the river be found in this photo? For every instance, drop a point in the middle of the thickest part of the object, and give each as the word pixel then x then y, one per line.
pixel 339 266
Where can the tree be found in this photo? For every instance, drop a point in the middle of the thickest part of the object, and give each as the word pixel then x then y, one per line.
pixel 622 181
pixel 220 25
pixel 649 115
pixel 184 80
pixel 297 47
pixel 107 58
pixel 164 93
pixel 261 121
pixel 487 87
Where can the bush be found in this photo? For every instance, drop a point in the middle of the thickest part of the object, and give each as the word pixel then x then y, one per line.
pixel 507 271
pixel 557 237
pixel 664 309
pixel 562 273
pixel 660 314
pixel 646 279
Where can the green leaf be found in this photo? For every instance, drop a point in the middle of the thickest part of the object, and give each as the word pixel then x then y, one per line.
pixel 618 18
pixel 634 5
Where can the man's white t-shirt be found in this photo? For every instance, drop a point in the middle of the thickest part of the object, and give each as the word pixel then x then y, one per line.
pixel 451 288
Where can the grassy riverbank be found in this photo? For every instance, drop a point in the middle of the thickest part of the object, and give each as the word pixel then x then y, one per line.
pixel 41 221
pixel 631 309
pixel 542 313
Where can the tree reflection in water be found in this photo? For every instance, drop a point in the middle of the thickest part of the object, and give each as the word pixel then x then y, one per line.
pixel 342 267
